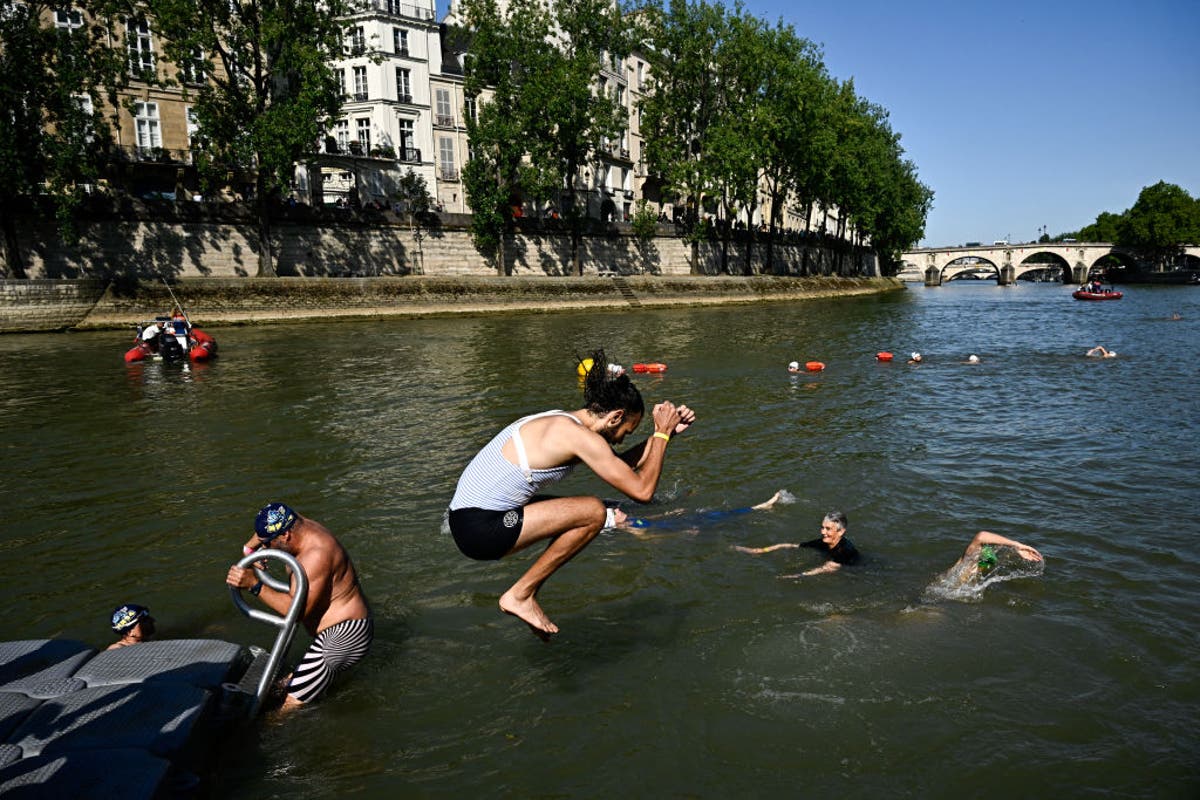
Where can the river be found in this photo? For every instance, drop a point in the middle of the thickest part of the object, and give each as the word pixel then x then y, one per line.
pixel 684 668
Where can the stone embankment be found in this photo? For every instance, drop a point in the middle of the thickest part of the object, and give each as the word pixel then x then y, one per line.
pixel 43 305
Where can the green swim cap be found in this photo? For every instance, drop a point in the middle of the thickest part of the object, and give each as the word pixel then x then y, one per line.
pixel 987 558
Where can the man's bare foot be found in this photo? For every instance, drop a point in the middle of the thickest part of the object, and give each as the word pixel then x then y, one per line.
pixel 529 612
pixel 774 499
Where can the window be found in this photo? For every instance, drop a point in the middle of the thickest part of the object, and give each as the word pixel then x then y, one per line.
pixel 89 112
pixel 358 41
pixel 446 158
pixel 193 69
pixel 193 126
pixel 68 19
pixel 407 153
pixel 140 45
pixel 360 83
pixel 364 135
pixel 403 85
pixel 400 41
pixel 641 74
pixel 444 114
pixel 393 7
pixel 620 95
pixel 472 109
pixel 341 132
pixel 149 133
pixel 340 76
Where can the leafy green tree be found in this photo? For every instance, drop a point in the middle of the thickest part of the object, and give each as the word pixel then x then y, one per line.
pixel 1164 218
pixel 511 57
pixel 56 74
pixel 271 91
pixel 684 103
pixel 1106 228
pixel 581 118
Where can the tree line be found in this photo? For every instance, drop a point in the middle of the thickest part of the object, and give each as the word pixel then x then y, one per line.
pixel 732 106
pixel 1164 219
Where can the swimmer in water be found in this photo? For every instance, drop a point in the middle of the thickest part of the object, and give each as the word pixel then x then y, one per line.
pixel 980 557
pixel 690 521
pixel 915 359
pixel 833 542
pixel 1099 352
pixel 794 366
pixel 972 359
pixel 132 624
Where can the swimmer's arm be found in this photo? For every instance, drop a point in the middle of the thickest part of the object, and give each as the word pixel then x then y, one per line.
pixel 767 549
pixel 987 537
pixel 828 566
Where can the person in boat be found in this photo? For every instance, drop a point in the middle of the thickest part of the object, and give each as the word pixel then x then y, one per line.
pixel 132 624
pixel 1100 352
pixel 832 543
pixel 688 521
pixel 498 509
pixel 336 613
pixel 981 556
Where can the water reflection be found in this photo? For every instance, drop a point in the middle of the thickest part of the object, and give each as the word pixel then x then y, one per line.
pixel 139 484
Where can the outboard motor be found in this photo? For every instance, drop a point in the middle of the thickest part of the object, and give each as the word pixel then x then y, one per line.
pixel 170 349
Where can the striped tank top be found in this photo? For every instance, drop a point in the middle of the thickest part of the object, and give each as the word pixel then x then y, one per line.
pixel 494 483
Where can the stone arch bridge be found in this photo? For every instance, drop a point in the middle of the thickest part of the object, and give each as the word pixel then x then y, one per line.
pixel 936 265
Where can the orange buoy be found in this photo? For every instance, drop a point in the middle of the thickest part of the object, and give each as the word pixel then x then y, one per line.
pixel 814 366
pixel 884 356
pixel 651 367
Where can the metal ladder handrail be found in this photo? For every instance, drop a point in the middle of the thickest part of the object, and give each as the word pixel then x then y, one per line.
pixel 286 624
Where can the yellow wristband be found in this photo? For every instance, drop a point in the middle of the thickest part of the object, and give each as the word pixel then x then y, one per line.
pixel 666 437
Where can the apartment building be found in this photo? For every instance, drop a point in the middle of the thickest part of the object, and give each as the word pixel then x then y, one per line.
pixel 386 125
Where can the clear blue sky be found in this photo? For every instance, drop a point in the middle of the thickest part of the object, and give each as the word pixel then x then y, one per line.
pixel 1021 114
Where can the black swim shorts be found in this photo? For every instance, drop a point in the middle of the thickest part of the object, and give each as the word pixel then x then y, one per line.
pixel 486 535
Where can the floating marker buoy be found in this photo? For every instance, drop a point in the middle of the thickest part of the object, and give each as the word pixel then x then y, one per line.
pixel 884 356
pixel 654 366
pixel 584 367
pixel 814 366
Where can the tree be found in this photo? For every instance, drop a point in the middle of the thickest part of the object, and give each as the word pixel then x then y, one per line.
pixel 270 94
pixel 683 104
pixel 1106 228
pixel 1164 218
pixel 510 59
pixel 57 68
pixel 582 119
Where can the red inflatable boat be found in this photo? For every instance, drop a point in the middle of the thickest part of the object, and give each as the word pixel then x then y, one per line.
pixel 171 339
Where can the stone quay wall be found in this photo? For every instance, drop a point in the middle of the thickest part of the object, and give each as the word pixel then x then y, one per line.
pixel 136 239
pixel 371 264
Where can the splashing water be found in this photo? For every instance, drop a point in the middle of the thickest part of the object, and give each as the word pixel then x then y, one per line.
pixel 965 583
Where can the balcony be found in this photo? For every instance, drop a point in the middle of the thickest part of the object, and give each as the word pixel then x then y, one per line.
pixel 409 155
pixel 356 49
pixel 396 9
pixel 360 97
pixel 404 98
pixel 402 52
pixel 448 174
pixel 443 121
pixel 624 152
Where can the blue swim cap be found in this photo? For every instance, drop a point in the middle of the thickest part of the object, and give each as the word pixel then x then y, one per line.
pixel 273 520
pixel 126 616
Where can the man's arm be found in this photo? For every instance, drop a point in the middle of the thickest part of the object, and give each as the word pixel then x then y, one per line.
pixel 987 537
pixel 637 482
pixel 635 455
pixel 767 549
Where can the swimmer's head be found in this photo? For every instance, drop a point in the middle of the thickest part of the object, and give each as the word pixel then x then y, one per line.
pixel 916 356
pixel 972 359
pixel 793 366
pixel 126 617
pixel 987 559
pixel 275 519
